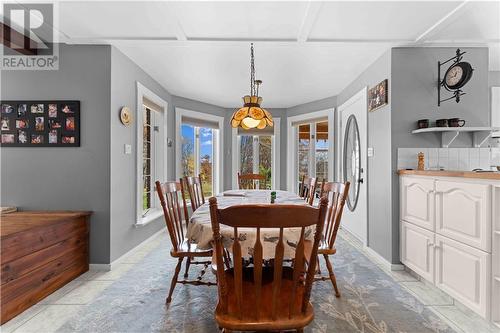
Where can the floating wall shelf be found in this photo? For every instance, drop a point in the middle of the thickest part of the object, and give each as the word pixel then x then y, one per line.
pixel 449 134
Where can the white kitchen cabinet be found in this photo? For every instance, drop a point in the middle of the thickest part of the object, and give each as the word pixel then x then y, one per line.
pixel 450 236
pixel 417 201
pixel 464 273
pixel 417 250
pixel 463 212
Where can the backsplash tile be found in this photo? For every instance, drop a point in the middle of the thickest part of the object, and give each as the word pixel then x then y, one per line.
pixel 464 159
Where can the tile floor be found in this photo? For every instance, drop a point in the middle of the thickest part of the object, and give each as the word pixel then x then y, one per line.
pixel 52 312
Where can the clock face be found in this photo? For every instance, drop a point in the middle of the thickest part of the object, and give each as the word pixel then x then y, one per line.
pixel 454 75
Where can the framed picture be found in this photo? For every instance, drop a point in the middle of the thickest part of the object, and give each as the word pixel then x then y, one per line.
pixel 40 123
pixel 378 96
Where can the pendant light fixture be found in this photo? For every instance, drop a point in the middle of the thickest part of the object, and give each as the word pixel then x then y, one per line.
pixel 251 115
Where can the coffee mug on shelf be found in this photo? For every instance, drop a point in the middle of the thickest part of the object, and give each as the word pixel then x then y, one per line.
pixel 456 122
pixel 423 123
pixel 442 123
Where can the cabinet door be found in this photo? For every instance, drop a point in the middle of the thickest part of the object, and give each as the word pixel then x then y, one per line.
pixel 417 201
pixel 417 251
pixel 463 212
pixel 464 273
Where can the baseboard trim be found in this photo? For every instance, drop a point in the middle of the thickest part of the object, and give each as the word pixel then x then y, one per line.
pixel 110 266
pixel 382 261
pixel 100 267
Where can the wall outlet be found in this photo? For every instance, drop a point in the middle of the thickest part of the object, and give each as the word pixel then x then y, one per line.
pixel 128 149
pixel 370 151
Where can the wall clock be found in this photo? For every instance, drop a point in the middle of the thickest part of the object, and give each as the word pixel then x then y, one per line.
pixel 455 77
pixel 125 116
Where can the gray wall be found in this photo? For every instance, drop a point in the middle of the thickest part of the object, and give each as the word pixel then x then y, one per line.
pixel 65 178
pixel 379 174
pixel 494 79
pixel 414 96
pixel 124 75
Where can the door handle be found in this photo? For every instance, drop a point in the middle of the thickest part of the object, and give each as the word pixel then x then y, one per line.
pixel 360 180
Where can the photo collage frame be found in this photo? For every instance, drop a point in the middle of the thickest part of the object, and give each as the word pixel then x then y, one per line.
pixel 40 123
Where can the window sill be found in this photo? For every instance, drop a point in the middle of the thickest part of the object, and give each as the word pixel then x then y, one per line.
pixel 150 217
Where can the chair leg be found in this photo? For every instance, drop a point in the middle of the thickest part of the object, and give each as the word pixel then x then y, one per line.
pixel 332 275
pixel 174 280
pixel 188 263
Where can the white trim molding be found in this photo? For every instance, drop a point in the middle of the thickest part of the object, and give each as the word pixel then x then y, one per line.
pixel 275 158
pixel 218 140
pixel 292 135
pixel 160 166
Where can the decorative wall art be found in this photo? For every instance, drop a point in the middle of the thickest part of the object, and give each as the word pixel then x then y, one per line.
pixel 125 116
pixel 378 96
pixel 40 123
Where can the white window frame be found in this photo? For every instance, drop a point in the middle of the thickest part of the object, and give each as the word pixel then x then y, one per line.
pixel 275 157
pixel 293 134
pixel 217 139
pixel 159 164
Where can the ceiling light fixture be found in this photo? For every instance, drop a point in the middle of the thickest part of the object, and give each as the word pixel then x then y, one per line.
pixel 251 115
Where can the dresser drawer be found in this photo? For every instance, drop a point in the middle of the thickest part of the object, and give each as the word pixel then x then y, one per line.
pixel 463 212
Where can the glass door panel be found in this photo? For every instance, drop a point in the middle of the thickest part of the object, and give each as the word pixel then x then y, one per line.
pixel 246 154
pixel 265 158
pixel 321 151
pixel 303 150
pixel 206 160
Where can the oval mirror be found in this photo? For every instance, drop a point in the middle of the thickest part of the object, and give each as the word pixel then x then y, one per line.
pixel 352 161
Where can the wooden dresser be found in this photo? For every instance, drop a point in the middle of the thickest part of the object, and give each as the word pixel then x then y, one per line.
pixel 40 253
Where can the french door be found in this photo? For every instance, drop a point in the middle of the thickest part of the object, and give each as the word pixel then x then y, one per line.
pixel 255 155
pixel 312 150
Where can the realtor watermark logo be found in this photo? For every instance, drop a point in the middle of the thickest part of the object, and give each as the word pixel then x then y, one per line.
pixel 28 37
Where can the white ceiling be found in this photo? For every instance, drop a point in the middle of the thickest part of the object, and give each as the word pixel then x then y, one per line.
pixel 304 51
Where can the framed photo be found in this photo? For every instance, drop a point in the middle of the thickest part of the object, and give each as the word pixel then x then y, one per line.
pixel 40 123
pixel 378 96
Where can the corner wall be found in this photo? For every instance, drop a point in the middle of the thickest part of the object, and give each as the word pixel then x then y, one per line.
pixel 379 165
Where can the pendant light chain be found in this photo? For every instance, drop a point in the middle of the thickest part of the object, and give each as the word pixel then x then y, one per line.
pixel 252 72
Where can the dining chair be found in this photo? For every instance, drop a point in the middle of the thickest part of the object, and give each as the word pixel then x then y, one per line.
pixel 336 193
pixel 169 194
pixel 265 297
pixel 308 189
pixel 249 181
pixel 195 190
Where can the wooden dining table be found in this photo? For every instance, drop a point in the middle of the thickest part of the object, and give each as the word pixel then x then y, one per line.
pixel 200 228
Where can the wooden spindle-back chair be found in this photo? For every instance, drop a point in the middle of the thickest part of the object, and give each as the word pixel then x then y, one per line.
pixel 266 297
pixel 195 190
pixel 336 193
pixel 307 190
pixel 170 195
pixel 249 181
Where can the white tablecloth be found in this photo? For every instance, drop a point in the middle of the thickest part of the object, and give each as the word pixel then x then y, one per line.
pixel 200 228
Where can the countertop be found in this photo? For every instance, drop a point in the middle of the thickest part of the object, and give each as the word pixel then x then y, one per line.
pixel 448 173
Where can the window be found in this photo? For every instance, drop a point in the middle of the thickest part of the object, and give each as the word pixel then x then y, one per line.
pixel 199 141
pixel 197 154
pixel 312 150
pixel 255 155
pixel 151 131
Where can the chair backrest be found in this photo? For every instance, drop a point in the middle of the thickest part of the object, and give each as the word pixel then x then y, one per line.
pixel 170 195
pixel 308 189
pixel 195 191
pixel 249 181
pixel 336 193
pixel 267 216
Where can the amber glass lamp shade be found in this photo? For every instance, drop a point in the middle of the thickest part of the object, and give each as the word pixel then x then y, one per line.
pixel 251 115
